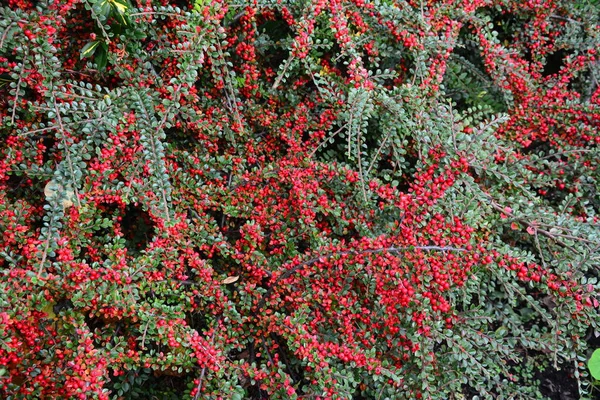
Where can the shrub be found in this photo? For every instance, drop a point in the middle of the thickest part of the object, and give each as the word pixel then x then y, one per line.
pixel 343 199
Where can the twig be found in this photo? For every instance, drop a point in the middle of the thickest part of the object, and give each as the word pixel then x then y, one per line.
pixel 44 254
pixel 142 346
pixel 49 128
pixel 307 263
pixel 560 17
pixel 148 13
pixel 236 18
pixel 232 102
pixel 280 76
pixel 153 144
pixel 360 168
pixel 199 386
pixel 14 110
pixel 223 217
pixel 326 139
pixel 553 236
pixel 379 150
pixel 4 34
pixel 99 23
pixel 67 151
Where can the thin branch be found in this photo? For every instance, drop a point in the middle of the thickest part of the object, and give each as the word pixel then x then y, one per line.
pixel 67 151
pixel 561 18
pixel 153 147
pixel 53 127
pixel 536 227
pixel 199 386
pixel 148 13
pixel 322 257
pixel 98 22
pixel 326 139
pixel 14 110
pixel 360 168
pixel 230 97
pixel 4 34
pixel 44 254
pixel 281 75
pixel 379 150
pixel 143 346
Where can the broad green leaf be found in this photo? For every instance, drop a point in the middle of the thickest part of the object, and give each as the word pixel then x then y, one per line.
pixel 594 364
pixel 119 5
pixel 103 7
pixel 89 49
pixel 49 310
pixel 101 58
pixel 122 18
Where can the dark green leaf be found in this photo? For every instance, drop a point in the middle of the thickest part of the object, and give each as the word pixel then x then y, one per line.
pixel 89 49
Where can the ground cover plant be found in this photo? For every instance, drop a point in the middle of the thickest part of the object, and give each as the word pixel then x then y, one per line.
pixel 299 199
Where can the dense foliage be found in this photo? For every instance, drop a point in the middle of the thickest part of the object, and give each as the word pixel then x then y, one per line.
pixel 317 199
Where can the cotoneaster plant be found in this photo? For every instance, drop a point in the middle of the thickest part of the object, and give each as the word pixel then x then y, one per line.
pixel 340 199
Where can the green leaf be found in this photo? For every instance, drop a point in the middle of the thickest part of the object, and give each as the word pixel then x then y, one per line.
pixel 122 18
pixel 120 8
pixel 101 58
pixel 104 8
pixel 139 35
pixel 89 49
pixel 594 364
